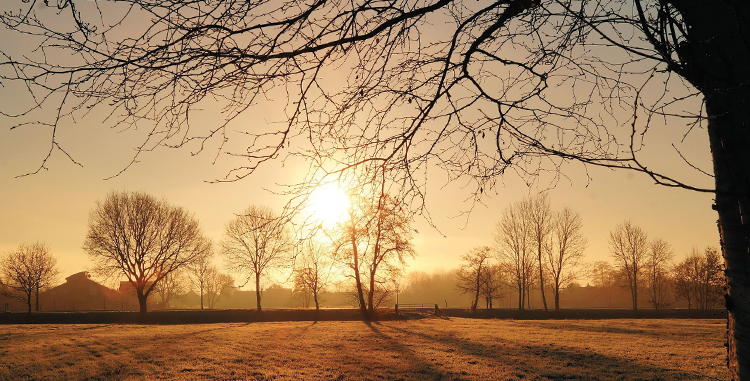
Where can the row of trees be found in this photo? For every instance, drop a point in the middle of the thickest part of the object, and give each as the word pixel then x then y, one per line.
pixel 533 246
pixel 698 279
pixel 154 245
pixel 538 248
pixel 158 248
pixel 647 264
pixel 367 249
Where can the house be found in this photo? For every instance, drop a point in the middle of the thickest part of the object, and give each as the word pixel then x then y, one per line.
pixel 80 293
pixel 9 303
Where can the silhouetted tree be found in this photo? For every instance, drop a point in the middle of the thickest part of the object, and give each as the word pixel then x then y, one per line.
pixel 658 262
pixel 684 279
pixel 515 247
pixel 523 85
pixel 629 246
pixel 170 287
pixel 135 236
pixel 565 251
pixel 198 274
pixel 27 270
pixel 390 242
pixel 374 244
pixel 470 276
pixel 347 248
pixel 712 280
pixel 491 287
pixel 698 279
pixel 604 276
pixel 218 284
pixel 540 222
pixel 315 265
pixel 255 243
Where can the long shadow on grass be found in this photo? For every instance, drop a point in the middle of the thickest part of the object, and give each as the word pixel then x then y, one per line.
pixel 553 362
pixel 647 331
pixel 412 362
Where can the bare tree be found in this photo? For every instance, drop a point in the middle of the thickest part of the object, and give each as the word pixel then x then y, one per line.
pixel 135 236
pixel 565 252
pixel 492 282
pixel 390 241
pixel 171 286
pixel 198 274
pixel 315 266
pixel 658 262
pixel 698 279
pixel 514 245
pixel 255 243
pixel 494 72
pixel 539 216
pixel 28 270
pixel 347 248
pixel 604 276
pixel 685 275
pixel 373 244
pixel 217 285
pixel 629 246
pixel 470 276
pixel 712 282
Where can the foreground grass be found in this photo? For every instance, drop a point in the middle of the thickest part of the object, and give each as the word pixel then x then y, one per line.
pixel 428 349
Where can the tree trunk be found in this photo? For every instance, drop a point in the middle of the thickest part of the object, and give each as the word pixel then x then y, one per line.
pixel 475 303
pixel 557 297
pixel 315 297
pixel 541 278
pixel 357 278
pixel 257 292
pixel 729 145
pixel 28 301
pixel 371 293
pixel 716 58
pixel 142 298
pixel 528 297
pixel 37 299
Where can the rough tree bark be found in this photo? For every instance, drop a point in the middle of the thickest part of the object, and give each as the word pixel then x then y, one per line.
pixel 717 60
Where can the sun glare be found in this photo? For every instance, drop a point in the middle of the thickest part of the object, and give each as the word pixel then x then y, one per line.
pixel 329 204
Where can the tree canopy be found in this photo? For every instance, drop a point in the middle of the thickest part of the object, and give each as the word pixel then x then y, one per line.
pixel 134 236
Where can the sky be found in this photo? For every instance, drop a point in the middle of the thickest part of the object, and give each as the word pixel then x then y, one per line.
pixel 52 206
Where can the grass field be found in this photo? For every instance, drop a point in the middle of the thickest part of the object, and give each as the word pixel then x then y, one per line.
pixel 425 349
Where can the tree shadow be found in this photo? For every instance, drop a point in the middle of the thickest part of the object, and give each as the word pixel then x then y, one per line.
pixel 425 369
pixel 645 332
pixel 548 361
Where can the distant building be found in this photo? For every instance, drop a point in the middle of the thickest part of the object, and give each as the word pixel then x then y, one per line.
pixel 9 303
pixel 80 293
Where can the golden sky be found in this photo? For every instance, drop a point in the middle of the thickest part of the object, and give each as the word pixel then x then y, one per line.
pixel 52 206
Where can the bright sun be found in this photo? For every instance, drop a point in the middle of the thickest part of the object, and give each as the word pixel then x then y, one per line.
pixel 329 203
